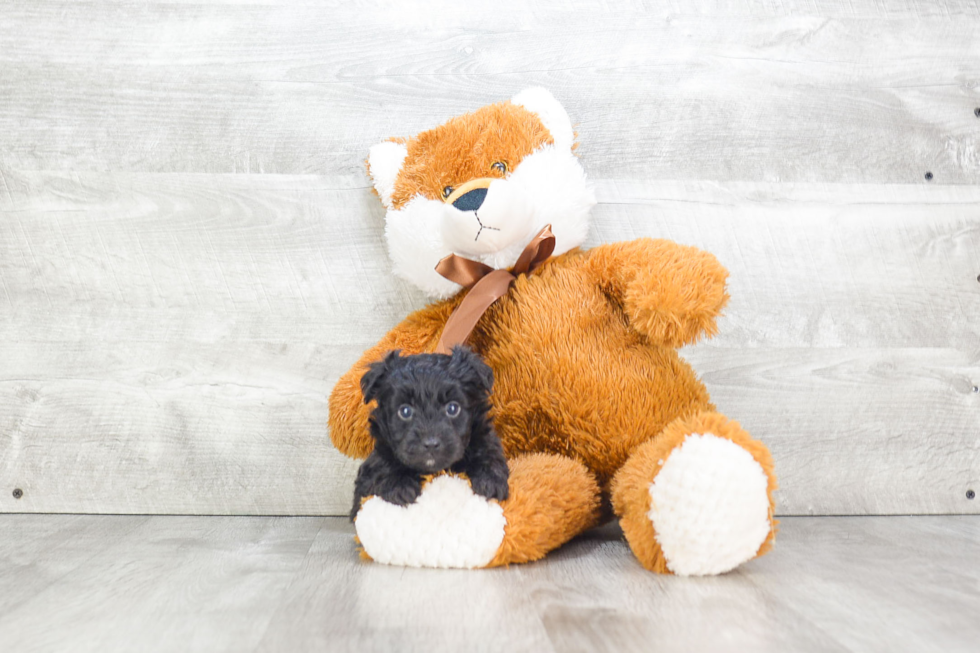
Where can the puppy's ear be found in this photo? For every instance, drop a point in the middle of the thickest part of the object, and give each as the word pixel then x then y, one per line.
pixel 471 367
pixel 373 380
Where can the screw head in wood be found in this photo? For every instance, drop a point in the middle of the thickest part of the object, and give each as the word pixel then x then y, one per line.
pixel 928 176
pixel 970 494
pixel 18 493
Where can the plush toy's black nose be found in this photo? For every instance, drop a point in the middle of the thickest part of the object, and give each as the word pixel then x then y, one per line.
pixel 472 200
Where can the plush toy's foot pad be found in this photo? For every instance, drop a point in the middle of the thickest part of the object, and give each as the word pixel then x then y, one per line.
pixel 697 500
pixel 552 499
pixel 447 526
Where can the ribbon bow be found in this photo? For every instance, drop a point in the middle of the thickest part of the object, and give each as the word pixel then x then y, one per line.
pixel 486 285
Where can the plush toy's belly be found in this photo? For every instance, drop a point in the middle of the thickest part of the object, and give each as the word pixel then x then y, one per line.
pixel 572 377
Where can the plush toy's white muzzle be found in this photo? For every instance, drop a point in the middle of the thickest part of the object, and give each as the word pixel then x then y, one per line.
pixel 500 221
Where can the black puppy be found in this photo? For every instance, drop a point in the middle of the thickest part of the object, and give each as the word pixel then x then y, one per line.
pixel 432 415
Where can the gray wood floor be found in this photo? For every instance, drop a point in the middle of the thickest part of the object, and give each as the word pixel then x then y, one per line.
pixel 212 584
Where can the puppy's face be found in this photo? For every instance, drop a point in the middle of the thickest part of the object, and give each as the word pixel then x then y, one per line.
pixel 426 405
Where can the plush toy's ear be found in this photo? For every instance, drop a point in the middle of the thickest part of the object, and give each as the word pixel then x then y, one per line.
pixel 384 162
pixel 551 113
pixel 373 379
pixel 470 367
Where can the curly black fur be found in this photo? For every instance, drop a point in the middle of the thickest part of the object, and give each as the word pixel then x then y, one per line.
pixel 432 414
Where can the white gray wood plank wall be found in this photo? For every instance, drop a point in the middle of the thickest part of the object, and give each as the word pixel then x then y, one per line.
pixel 190 255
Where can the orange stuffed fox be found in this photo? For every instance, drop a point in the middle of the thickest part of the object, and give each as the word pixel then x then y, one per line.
pixel 591 400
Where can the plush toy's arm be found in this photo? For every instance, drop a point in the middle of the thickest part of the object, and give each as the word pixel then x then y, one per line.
pixel 671 293
pixel 348 421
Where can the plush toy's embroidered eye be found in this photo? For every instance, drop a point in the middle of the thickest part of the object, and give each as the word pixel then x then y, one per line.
pixel 452 409
pixel 406 412
pixel 447 191
pixel 500 167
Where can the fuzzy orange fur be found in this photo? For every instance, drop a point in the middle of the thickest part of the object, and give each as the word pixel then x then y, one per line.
pixel 552 499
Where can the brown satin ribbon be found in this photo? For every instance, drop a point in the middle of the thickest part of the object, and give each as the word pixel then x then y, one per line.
pixel 486 285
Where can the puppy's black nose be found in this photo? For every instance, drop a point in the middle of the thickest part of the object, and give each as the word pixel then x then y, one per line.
pixel 431 442
pixel 472 200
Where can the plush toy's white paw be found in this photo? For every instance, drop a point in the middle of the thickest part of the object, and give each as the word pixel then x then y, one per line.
pixel 447 526
pixel 709 506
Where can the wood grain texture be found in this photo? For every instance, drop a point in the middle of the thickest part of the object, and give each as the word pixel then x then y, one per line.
pixel 147 584
pixel 821 265
pixel 170 340
pixel 244 584
pixel 383 608
pixel 791 91
pixel 171 321
pixel 857 431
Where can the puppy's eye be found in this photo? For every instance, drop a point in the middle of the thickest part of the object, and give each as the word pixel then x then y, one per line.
pixel 452 409
pixel 499 166
pixel 447 191
pixel 406 412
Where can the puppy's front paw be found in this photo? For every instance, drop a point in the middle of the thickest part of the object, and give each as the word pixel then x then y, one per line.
pixel 402 490
pixel 491 482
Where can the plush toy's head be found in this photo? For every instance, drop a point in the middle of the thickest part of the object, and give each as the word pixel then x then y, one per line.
pixel 481 186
